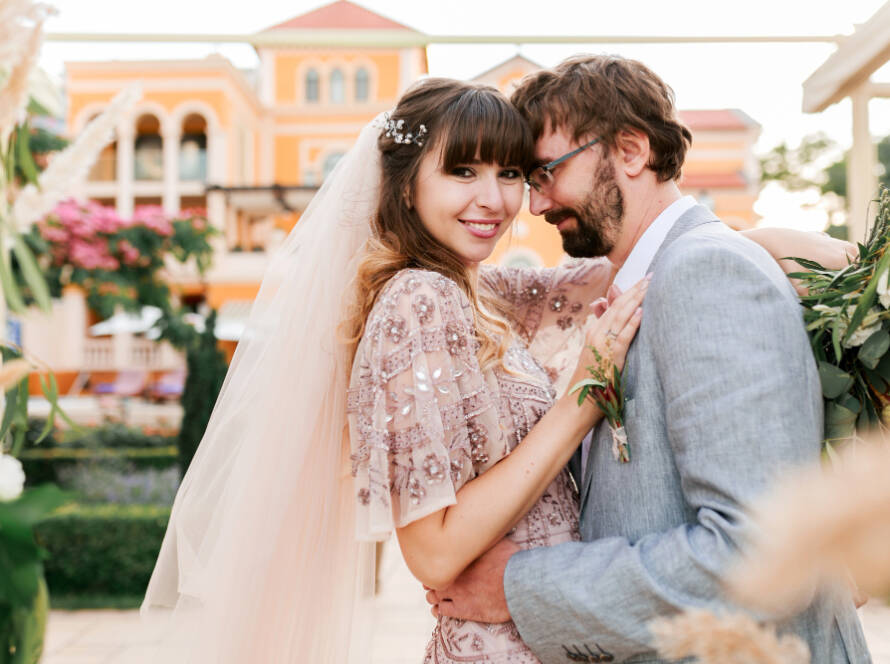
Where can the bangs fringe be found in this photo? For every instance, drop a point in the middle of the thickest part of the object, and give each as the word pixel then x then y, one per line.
pixel 484 125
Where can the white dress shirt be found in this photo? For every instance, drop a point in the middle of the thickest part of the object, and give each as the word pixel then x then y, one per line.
pixel 634 269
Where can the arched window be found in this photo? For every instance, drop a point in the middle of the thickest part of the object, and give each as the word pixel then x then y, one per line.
pixel 362 84
pixel 338 87
pixel 329 163
pixel 148 158
pixel 311 85
pixel 193 148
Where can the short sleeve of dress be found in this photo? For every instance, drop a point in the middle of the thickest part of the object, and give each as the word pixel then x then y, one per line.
pixel 421 413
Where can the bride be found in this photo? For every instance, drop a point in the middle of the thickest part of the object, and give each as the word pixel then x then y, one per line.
pixel 385 383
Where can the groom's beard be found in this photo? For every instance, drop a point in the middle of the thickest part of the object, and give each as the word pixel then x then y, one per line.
pixel 598 218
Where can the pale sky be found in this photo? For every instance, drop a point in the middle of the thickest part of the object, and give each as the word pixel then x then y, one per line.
pixel 764 80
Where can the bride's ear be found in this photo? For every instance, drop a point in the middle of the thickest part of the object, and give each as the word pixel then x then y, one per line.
pixel 406 196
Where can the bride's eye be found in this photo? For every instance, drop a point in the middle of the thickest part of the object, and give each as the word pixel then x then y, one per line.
pixel 511 174
pixel 462 171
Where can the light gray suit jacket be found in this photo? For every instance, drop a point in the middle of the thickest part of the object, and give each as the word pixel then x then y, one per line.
pixel 722 397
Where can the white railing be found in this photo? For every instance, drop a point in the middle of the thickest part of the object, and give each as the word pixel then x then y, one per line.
pixel 98 354
pixel 114 354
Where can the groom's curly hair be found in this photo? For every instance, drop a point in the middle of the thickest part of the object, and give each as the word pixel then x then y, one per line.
pixel 601 95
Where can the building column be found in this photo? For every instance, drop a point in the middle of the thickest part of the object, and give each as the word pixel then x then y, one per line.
pixel 217 161
pixel 862 182
pixel 72 346
pixel 170 198
pixel 125 169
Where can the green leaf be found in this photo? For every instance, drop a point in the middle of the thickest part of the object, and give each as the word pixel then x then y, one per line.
pixel 877 381
pixel 32 274
pixel 806 263
pixel 839 421
pixel 867 299
pixel 883 368
pixel 834 381
pixel 836 339
pixel 874 348
pixel 10 289
pixel 24 158
pixel 8 412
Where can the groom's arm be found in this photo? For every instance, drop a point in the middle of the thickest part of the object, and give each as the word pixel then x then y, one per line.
pixel 741 403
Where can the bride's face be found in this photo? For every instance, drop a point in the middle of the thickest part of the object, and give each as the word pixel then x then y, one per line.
pixel 468 208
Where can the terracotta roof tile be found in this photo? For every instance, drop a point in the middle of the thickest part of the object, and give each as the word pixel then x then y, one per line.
pixel 730 118
pixel 696 181
pixel 340 15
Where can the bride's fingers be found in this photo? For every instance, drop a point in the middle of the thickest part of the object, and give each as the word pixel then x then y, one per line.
pixel 617 315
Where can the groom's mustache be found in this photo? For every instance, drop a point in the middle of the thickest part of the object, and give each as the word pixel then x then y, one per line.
pixel 556 216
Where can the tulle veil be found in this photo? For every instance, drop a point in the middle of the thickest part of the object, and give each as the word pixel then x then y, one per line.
pixel 260 562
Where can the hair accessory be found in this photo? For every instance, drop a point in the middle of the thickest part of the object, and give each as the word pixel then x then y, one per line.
pixel 395 129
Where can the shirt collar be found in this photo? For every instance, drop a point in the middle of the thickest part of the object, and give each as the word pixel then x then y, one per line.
pixel 647 246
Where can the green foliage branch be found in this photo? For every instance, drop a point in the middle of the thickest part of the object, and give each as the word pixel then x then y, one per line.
pixel 847 316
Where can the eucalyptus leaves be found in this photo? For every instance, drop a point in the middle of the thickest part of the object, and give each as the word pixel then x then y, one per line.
pixel 848 321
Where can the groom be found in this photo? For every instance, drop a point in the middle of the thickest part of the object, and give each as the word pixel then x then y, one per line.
pixel 722 391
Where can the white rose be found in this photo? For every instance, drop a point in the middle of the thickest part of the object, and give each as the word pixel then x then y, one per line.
pixel 12 477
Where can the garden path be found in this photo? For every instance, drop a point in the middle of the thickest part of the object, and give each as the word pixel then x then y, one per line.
pixel 402 626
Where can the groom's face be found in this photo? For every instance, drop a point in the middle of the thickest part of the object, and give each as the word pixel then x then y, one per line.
pixel 583 200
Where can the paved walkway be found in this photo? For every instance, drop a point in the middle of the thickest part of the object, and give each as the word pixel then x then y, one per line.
pixel 402 627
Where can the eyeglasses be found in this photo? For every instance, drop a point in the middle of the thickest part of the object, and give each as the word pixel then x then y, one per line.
pixel 541 178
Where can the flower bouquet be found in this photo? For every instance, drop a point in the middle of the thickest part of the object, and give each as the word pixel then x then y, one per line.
pixel 606 388
pixel 847 315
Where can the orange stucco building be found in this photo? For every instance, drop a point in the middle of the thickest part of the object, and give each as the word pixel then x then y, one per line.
pixel 252 147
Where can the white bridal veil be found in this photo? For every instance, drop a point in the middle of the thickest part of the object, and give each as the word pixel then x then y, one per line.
pixel 260 561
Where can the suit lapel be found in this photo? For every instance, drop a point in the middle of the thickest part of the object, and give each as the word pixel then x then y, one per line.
pixel 693 217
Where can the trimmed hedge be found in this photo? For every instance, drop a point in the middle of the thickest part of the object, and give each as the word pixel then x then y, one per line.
pixel 43 465
pixel 102 549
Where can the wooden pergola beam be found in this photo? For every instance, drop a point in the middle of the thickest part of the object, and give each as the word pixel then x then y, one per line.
pixel 848 68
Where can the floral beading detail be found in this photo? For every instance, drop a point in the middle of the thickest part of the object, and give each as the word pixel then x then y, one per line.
pixel 434 469
pixel 478 438
pixel 457 467
pixel 395 328
pixel 534 291
pixel 364 496
pixel 415 490
pixel 564 323
pixel 454 339
pixel 423 308
pixel 558 302
pixel 576 307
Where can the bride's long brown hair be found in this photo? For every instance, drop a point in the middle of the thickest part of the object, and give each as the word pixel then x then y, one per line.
pixel 467 122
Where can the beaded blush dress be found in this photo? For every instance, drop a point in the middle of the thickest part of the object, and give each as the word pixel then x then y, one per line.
pixel 425 419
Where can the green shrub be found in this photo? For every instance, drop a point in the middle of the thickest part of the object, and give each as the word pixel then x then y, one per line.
pixel 206 372
pixel 102 549
pixel 49 465
pixel 114 434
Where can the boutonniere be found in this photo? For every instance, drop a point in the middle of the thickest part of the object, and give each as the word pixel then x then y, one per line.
pixel 605 388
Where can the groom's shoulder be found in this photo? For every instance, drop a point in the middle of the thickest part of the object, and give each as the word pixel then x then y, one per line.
pixel 714 245
pixel 712 253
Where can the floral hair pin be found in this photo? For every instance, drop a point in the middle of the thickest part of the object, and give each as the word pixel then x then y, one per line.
pixel 396 130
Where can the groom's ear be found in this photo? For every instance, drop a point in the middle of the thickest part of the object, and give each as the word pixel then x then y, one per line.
pixel 632 151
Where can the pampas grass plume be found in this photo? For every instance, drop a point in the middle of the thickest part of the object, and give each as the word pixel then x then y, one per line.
pixel 14 96
pixel 73 163
pixel 817 523
pixel 730 639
